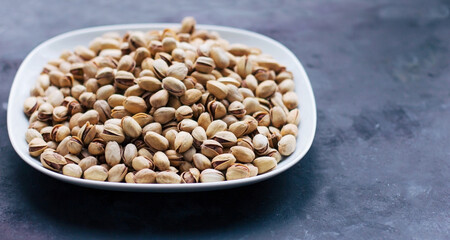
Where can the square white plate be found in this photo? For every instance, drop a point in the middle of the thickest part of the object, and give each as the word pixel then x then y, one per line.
pixel 32 65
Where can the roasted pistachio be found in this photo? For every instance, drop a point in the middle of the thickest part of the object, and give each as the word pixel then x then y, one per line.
pixel 211 175
pixel 237 171
pixel 72 170
pixel 265 164
pixel 287 144
pixel 96 173
pixel 168 177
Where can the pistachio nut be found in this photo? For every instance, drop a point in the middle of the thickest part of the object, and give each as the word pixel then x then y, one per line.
pixel 97 146
pixel 112 132
pixel 277 117
pixel 244 66
pixel 160 68
pixel 31 134
pixel 129 153
pixel 87 162
pixel 204 120
pixel 152 127
pixel 223 161
pixel 183 141
pixel 289 129
pixel 124 80
pixel 90 116
pixel 204 65
pixel 198 135
pixel 183 112
pixel 149 83
pixel 211 148
pixel 239 49
pixel 287 144
pixel 156 141
pixel 218 89
pixel 96 173
pixel 187 125
pixel 260 143
pixel 190 176
pixel 290 100
pixel 201 162
pixel 214 127
pixel 243 154
pixel 86 133
pixel 105 92
pixel 159 99
pixel 266 89
pixel 252 168
pixel 130 127
pixel 174 86
pixel 191 96
pixel 237 109
pixel 237 171
pixel 187 156
pixel 134 104
pixel 161 161
pixel 265 164
pixel 119 112
pixel 116 100
pixel 141 162
pixel 103 109
pixel 30 105
pixel 112 153
pixel 220 57
pixel 143 119
pixel 262 117
pixel 60 113
pixel 87 99
pixel 37 146
pixel 211 175
pixel 293 117
pixel 178 71
pixel 225 138
pixel 216 109
pixel 167 177
pixel 59 132
pixel 53 160
pixel 164 115
pixel 117 173
pixel 72 170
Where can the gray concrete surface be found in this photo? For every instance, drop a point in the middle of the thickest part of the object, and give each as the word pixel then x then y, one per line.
pixel 379 167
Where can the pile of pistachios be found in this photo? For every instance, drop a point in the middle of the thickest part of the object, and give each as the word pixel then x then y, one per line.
pixel 165 106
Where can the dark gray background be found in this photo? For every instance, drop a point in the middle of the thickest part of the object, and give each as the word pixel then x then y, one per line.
pixel 378 168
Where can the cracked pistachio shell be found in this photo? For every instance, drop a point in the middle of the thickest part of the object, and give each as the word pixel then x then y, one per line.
pixel 164 115
pixel 117 173
pixel 293 117
pixel 60 114
pixel 70 158
pixel 187 25
pixel 226 138
pixel 149 83
pixel 243 154
pixel 129 153
pixel 237 109
pixel 187 125
pixel 211 175
pixel 289 129
pixel 277 117
pixel 211 148
pixel 134 104
pixel 143 119
pixel 191 96
pixel 37 146
pixel 142 162
pixel 178 71
pixel 130 127
pixel 237 171
pixel 174 86
pixel 287 144
pixel 266 89
pixel 112 153
pixel 265 164
pixel 59 132
pixel 72 170
pixel 260 143
pixel 218 89
pixel 244 66
pixel 31 134
pixel 159 99
pixel 112 132
pixel 97 146
pixel 204 65
pixel 124 80
pixel 53 160
pixel 216 109
pixel 96 173
pixel 87 162
pixel 119 112
pixel 223 161
pixel 214 127
pixel 161 161
pixel 105 76
pixel 156 141
pixel 183 141
pixel 168 177
pixel 191 176
pixel 30 105
pixel 126 63
pixel 160 68
pixel 183 112
pixel 275 154
pixel 86 133
pixel 262 117
pixel 103 109
pixel 199 135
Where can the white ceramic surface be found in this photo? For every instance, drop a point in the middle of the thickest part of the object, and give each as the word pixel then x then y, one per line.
pixel 33 63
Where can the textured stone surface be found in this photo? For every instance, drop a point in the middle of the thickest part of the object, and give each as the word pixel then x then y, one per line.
pixel 379 166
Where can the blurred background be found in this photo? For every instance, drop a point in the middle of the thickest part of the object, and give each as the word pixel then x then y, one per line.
pixel 379 166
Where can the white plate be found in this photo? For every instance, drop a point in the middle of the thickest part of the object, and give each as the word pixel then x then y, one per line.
pixel 51 49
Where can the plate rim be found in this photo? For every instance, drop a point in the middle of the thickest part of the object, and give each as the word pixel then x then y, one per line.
pixel 157 187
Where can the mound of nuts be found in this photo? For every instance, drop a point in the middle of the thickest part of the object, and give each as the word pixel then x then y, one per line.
pixel 172 106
